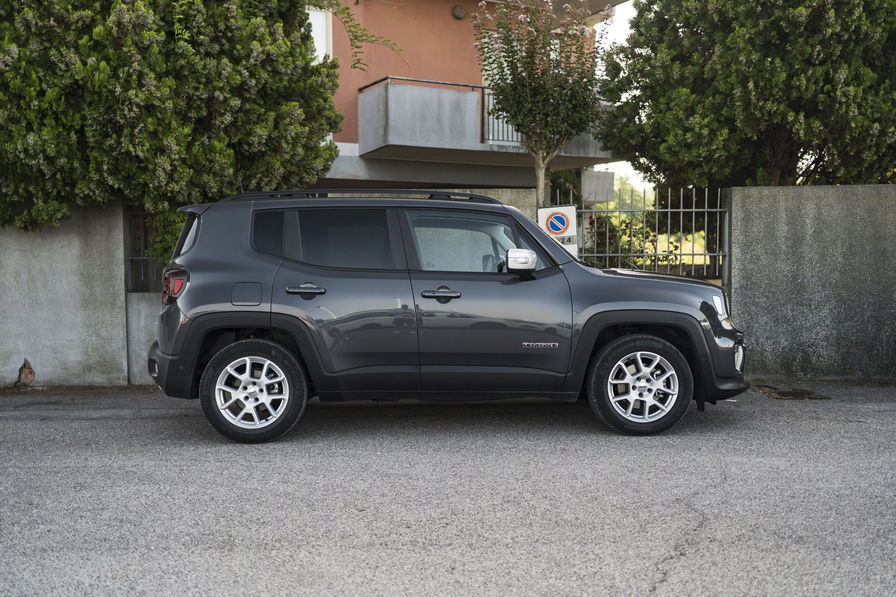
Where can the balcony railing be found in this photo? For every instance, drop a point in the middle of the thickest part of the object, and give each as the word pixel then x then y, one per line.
pixel 496 129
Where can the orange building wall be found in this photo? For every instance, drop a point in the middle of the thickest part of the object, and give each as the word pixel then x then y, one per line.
pixel 434 45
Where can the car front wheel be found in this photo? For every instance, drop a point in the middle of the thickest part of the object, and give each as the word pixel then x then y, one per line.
pixel 639 384
pixel 253 391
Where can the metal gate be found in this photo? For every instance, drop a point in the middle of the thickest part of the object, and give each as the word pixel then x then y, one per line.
pixel 683 232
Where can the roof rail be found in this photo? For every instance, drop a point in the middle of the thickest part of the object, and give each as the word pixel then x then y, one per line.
pixel 318 193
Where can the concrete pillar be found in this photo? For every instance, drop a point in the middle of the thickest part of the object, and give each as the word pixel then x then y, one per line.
pixel 813 280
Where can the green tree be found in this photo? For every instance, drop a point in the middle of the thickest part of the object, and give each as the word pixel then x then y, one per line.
pixel 565 187
pixel 542 67
pixel 728 93
pixel 159 103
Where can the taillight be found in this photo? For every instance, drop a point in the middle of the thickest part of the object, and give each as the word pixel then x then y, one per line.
pixel 173 286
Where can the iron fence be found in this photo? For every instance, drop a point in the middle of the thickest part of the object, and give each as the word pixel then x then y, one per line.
pixel 682 232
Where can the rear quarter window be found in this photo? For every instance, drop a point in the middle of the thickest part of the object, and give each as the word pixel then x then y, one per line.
pixel 187 237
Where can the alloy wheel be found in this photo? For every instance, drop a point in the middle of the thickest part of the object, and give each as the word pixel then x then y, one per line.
pixel 252 392
pixel 642 386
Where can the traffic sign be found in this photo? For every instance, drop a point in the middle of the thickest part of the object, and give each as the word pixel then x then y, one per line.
pixel 557 224
pixel 560 224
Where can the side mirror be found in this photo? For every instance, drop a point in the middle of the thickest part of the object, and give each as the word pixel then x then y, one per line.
pixel 521 261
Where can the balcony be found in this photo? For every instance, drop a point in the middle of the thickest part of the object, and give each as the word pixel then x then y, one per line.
pixel 436 121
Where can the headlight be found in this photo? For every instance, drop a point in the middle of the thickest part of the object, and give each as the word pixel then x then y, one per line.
pixel 720 302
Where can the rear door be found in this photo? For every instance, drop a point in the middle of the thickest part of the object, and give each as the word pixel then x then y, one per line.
pixel 345 279
pixel 483 330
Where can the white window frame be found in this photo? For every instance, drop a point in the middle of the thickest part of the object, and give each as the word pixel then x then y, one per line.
pixel 318 29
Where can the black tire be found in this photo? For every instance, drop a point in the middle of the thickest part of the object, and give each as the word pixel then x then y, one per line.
pixel 654 402
pixel 232 423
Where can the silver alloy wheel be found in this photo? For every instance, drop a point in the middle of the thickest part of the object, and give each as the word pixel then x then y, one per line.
pixel 252 392
pixel 642 387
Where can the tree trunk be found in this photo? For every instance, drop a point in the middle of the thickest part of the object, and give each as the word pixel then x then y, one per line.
pixel 541 195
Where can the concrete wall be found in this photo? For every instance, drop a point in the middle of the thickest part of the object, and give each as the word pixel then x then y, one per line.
pixel 62 301
pixel 143 311
pixel 814 280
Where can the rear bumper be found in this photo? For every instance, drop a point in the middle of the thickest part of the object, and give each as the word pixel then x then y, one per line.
pixel 172 373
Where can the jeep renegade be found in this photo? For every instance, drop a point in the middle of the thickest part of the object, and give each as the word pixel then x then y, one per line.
pixel 273 298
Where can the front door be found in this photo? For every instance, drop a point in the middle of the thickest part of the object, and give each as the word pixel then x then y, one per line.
pixel 483 330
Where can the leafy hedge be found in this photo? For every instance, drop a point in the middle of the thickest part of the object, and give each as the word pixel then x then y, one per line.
pixel 157 103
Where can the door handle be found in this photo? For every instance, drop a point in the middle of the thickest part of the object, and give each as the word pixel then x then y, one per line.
pixel 306 288
pixel 441 293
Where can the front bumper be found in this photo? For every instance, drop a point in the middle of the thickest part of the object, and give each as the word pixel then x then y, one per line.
pixel 720 388
pixel 172 373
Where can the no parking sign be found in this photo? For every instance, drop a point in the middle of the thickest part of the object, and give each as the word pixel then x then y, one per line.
pixel 560 224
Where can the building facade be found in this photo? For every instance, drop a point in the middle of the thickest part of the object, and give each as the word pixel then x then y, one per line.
pixel 419 117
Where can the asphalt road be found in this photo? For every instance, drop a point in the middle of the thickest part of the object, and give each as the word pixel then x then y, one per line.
pixel 124 491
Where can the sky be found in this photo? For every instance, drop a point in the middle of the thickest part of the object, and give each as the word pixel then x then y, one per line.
pixel 619 29
pixel 617 32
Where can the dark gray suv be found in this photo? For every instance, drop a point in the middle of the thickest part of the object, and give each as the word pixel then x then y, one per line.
pixel 272 298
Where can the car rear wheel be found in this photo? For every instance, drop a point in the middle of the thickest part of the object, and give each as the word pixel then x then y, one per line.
pixel 253 391
pixel 639 384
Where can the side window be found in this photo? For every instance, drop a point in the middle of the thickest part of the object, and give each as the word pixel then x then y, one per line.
pixel 451 241
pixel 187 236
pixel 267 232
pixel 348 238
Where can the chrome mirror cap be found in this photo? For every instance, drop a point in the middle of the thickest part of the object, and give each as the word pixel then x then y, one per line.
pixel 521 260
